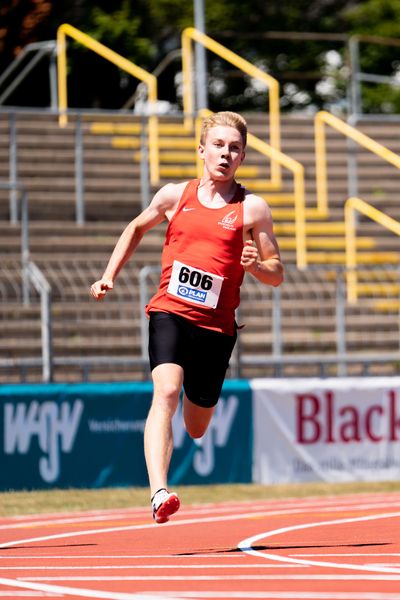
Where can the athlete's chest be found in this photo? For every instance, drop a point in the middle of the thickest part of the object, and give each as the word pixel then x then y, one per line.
pixel 198 222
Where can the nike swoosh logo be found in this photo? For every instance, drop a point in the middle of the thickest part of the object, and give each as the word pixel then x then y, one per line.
pixel 185 209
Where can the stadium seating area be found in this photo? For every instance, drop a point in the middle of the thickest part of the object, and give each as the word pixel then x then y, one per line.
pixel 306 321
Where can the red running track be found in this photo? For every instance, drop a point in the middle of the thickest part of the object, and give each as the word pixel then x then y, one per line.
pixel 333 548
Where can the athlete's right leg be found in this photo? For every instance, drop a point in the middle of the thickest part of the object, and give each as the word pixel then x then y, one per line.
pixel 158 440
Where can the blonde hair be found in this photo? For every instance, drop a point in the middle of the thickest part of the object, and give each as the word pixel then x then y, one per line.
pixel 228 118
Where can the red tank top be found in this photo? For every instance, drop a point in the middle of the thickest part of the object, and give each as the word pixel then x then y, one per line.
pixel 201 271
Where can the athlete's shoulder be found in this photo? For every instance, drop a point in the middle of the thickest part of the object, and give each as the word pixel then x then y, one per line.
pixel 169 195
pixel 177 188
pixel 254 203
pixel 172 190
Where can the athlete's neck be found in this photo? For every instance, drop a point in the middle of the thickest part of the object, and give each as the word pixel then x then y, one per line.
pixel 216 193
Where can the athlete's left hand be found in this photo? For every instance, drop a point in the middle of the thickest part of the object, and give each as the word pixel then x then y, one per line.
pixel 249 256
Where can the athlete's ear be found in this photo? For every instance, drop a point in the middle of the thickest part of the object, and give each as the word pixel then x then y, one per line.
pixel 243 157
pixel 200 151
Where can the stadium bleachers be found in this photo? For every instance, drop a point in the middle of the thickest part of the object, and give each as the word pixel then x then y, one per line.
pixel 72 255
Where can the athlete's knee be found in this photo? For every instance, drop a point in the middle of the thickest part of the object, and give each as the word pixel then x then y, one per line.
pixel 167 381
pixel 196 430
pixel 166 396
pixel 197 425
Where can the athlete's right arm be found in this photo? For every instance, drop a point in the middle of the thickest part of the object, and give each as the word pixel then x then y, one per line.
pixel 161 207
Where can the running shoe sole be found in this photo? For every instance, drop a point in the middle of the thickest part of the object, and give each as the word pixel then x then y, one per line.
pixel 167 509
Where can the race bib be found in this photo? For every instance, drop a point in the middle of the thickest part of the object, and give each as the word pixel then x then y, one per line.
pixel 194 285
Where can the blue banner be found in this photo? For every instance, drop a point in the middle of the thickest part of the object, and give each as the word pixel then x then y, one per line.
pixel 91 435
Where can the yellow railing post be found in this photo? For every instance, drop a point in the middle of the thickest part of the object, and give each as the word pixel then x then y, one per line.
pixel 324 117
pixel 62 76
pixel 122 63
pixel 272 85
pixel 351 206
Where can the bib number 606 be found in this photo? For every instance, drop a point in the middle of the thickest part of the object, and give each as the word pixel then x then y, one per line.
pixel 195 278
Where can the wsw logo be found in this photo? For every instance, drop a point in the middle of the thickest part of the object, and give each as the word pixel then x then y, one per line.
pixel 229 220
pixel 53 425
pixel 217 435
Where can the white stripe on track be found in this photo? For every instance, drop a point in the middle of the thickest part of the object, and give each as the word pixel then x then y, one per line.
pixel 249 595
pixel 346 554
pixel 178 522
pixel 119 556
pixel 273 577
pixel 246 545
pixel 338 505
pixel 163 567
pixel 85 593
pixel 27 594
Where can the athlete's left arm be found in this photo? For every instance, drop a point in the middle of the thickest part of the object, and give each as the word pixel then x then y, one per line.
pixel 262 259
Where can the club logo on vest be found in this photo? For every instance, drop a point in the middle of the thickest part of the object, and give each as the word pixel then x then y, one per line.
pixel 228 222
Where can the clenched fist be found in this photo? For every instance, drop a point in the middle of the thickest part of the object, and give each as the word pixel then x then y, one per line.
pixel 100 288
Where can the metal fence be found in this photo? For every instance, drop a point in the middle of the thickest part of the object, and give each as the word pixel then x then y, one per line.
pixel 305 327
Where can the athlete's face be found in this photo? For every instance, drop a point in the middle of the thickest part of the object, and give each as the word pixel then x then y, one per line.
pixel 222 152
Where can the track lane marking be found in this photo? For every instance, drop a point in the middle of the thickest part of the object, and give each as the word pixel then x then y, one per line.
pixel 177 522
pixel 311 595
pixel 257 577
pixel 164 567
pixel 246 545
pixel 86 593
pixel 98 515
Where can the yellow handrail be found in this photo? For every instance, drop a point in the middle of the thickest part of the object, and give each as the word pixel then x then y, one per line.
pixel 121 62
pixel 298 184
pixel 351 206
pixel 190 33
pixel 322 118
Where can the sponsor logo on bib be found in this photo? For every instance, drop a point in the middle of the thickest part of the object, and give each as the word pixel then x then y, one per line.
pixel 194 285
pixel 192 294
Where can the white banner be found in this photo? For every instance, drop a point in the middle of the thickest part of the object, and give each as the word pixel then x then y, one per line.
pixel 326 429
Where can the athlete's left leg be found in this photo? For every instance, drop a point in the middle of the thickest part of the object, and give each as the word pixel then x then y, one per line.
pixel 196 418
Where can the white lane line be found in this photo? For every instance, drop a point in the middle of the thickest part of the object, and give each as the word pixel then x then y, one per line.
pixel 152 567
pixel 246 545
pixel 66 521
pixel 250 595
pixel 93 512
pixel 221 555
pixel 256 577
pixel 27 593
pixel 85 593
pixel 178 522
pixel 347 554
pixel 322 505
pixel 266 513
pixel 386 565
pixel 352 501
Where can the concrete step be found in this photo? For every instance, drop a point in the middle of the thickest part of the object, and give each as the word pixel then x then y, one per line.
pixel 369 258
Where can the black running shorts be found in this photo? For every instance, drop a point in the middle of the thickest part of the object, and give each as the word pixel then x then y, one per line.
pixel 202 353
